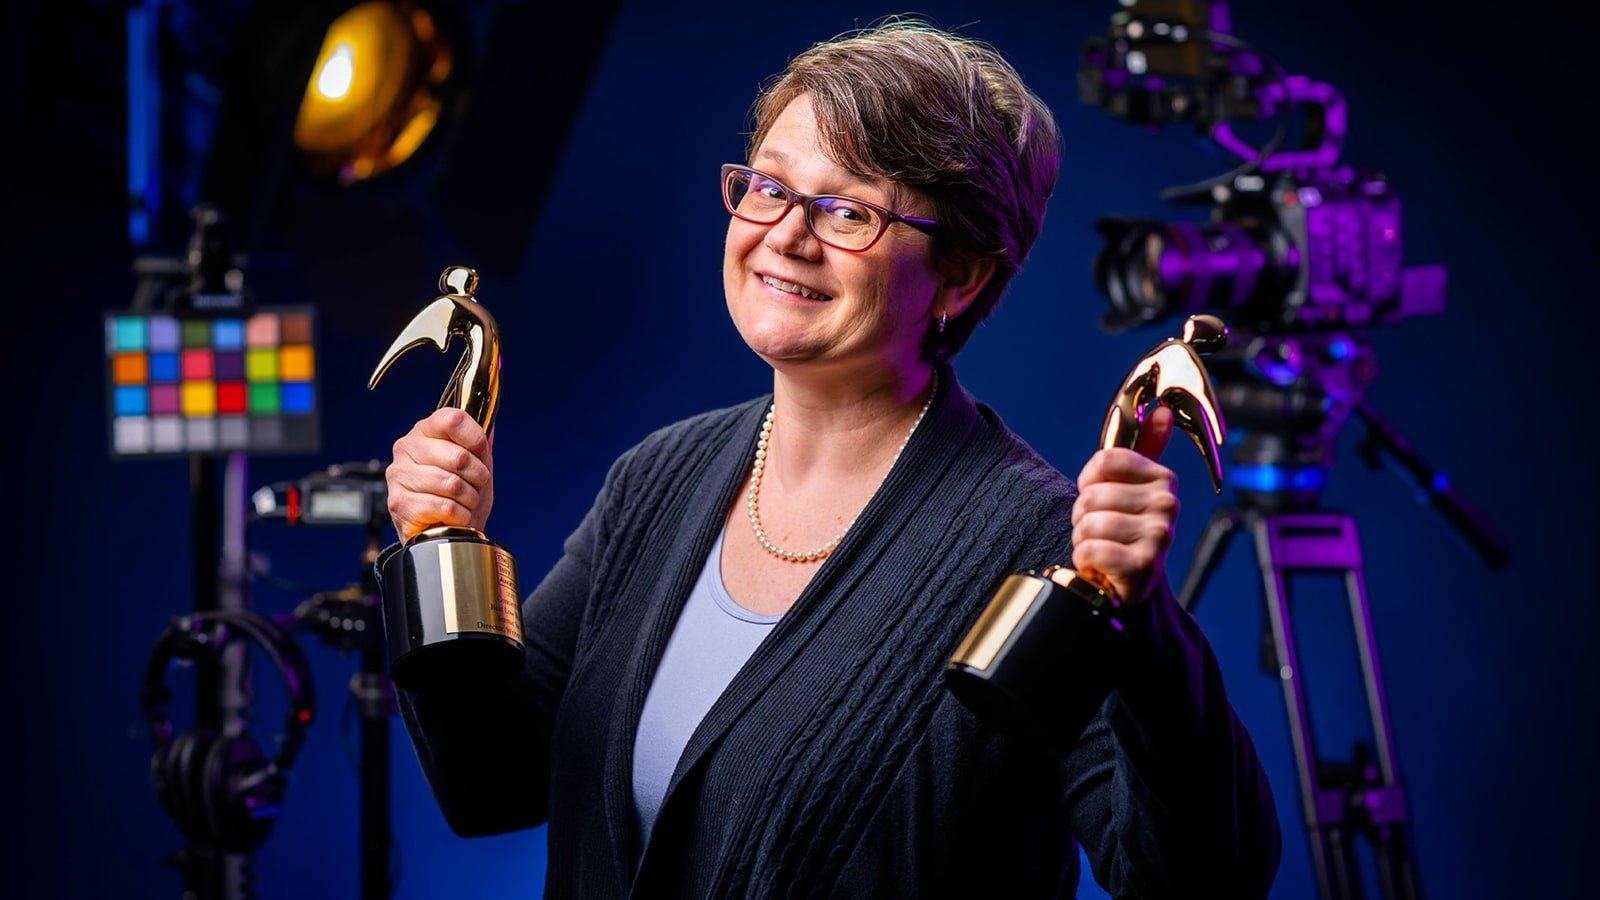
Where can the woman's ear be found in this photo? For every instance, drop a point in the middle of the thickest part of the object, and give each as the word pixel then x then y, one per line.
pixel 961 281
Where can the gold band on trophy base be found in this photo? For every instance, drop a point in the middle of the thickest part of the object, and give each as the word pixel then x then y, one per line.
pixel 451 605
pixel 1043 654
pixel 452 611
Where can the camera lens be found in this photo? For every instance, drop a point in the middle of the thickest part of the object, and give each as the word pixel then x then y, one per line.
pixel 1149 269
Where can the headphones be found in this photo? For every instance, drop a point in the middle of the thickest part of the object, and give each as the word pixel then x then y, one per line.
pixel 220 788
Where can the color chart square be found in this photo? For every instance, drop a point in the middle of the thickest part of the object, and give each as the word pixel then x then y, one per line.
pixel 230 397
pixel 195 332
pixel 266 430
pixel 295 397
pixel 163 366
pixel 261 330
pixel 233 432
pixel 127 333
pixel 229 365
pixel 295 328
pixel 194 383
pixel 197 365
pixel 131 435
pixel 199 435
pixel 294 363
pixel 129 368
pixel 264 398
pixel 298 431
pixel 227 334
pixel 198 398
pixel 163 333
pixel 164 399
pixel 261 364
pixel 166 434
pixel 131 400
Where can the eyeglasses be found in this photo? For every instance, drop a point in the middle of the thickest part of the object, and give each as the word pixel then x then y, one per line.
pixel 842 222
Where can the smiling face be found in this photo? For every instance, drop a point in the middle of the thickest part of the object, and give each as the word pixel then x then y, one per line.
pixel 797 301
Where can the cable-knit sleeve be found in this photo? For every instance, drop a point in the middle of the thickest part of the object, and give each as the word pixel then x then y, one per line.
pixel 1164 788
pixel 486 755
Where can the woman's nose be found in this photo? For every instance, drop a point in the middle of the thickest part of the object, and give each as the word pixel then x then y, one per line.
pixel 790 236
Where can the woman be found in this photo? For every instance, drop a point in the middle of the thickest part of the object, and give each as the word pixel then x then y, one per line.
pixel 733 685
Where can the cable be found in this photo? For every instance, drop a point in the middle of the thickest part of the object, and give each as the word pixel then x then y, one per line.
pixel 1249 166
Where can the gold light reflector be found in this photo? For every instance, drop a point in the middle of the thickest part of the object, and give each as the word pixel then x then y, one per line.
pixel 373 96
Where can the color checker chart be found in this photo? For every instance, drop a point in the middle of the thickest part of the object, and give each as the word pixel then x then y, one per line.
pixel 181 385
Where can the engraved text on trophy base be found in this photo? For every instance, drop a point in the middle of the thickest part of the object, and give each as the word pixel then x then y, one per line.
pixel 480 587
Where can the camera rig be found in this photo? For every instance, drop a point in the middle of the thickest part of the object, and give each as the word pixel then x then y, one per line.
pixel 1302 255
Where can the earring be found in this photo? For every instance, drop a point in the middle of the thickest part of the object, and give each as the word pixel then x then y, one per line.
pixel 944 315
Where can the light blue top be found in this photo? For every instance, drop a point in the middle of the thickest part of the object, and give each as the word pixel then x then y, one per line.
pixel 711 642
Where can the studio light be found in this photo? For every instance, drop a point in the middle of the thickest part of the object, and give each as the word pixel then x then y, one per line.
pixel 374 94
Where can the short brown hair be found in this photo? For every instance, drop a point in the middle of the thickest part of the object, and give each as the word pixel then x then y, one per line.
pixel 946 115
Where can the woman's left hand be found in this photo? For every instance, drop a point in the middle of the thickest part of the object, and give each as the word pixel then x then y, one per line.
pixel 1127 506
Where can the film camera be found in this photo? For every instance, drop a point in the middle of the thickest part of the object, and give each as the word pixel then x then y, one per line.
pixel 1301 255
pixel 1296 242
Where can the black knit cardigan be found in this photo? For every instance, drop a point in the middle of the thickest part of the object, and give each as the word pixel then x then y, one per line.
pixel 836 764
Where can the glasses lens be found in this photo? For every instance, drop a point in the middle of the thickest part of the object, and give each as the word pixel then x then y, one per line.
pixel 844 222
pixel 754 196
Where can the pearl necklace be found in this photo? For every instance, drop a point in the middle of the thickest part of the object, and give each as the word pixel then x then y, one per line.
pixel 752 509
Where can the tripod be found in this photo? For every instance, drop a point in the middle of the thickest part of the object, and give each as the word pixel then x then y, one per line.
pixel 1279 469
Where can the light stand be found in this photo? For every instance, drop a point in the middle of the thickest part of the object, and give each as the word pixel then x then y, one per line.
pixel 376 703
pixel 222 685
pixel 350 619
pixel 219 517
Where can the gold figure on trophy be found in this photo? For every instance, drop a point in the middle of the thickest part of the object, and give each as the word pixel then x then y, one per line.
pixel 1042 655
pixel 450 599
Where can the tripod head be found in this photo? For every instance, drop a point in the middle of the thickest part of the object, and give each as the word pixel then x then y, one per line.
pixel 1290 396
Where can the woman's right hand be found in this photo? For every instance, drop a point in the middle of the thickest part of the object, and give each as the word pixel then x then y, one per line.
pixel 442 474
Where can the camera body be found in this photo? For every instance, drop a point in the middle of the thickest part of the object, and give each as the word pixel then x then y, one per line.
pixel 1296 241
pixel 1283 252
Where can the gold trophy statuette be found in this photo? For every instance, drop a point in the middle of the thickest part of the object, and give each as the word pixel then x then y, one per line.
pixel 450 601
pixel 1043 655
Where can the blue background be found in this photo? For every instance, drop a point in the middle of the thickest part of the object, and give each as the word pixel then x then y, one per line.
pixel 615 325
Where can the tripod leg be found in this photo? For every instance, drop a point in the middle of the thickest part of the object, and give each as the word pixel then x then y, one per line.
pixel 1385 806
pixel 1324 543
pixel 1396 877
pixel 1325 852
pixel 1207 555
pixel 1341 801
pixel 1339 864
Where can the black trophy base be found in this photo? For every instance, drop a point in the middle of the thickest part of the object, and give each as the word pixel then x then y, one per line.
pixel 462 662
pixel 1040 661
pixel 452 612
